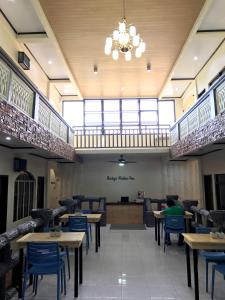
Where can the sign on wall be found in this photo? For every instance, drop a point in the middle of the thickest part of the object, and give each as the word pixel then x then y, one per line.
pixel 117 178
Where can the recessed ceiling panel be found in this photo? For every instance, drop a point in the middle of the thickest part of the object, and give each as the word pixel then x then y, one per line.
pixel 81 28
pixel 175 88
pixel 66 89
pixel 21 15
pixel 49 59
pixel 214 18
pixel 196 54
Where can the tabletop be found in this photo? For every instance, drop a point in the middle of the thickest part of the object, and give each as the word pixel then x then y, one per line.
pixel 158 215
pixel 203 241
pixel 92 218
pixel 71 239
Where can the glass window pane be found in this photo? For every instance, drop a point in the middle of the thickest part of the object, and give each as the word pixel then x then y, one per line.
pixel 148 104
pixel 130 117
pixel 93 119
pixel 112 118
pixel 111 105
pixel 130 105
pixel 93 105
pixel 166 112
pixel 148 117
pixel 73 113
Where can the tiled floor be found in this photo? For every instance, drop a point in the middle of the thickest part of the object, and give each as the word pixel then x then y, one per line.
pixel 131 266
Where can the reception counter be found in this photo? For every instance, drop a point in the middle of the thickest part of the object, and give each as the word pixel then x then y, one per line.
pixel 124 213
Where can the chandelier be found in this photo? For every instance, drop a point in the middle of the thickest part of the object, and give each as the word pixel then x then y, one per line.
pixel 125 40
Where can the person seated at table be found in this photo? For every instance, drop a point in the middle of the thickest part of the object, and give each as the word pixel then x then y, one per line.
pixel 173 209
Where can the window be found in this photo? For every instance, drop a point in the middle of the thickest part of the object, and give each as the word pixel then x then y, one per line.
pixel 111 113
pixel 130 112
pixel 166 112
pixel 93 113
pixel 23 196
pixel 73 113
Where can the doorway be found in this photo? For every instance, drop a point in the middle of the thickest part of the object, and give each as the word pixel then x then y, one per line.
pixel 220 190
pixel 40 192
pixel 208 188
pixel 3 202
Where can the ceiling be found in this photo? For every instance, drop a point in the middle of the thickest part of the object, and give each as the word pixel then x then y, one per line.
pixel 74 32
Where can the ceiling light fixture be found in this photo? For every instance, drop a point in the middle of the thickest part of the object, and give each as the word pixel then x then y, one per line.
pixel 50 62
pixel 195 57
pixel 124 39
pixel 148 67
pixel 95 70
pixel 8 138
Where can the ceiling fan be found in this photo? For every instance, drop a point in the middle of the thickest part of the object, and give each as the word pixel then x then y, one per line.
pixel 122 161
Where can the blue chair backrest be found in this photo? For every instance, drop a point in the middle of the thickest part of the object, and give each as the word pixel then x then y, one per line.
pixel 203 229
pixel 78 223
pixel 86 211
pixel 174 223
pixel 43 254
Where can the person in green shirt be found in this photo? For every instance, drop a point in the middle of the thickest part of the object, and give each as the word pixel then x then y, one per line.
pixel 173 210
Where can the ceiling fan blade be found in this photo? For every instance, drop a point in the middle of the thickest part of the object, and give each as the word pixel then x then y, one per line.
pixel 130 162
pixel 113 161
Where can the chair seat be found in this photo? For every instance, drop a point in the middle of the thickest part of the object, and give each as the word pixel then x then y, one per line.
pixel 215 256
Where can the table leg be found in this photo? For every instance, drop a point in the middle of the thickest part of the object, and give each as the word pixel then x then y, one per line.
pixel 158 231
pixel 20 273
pixel 195 261
pixel 81 263
pixel 187 248
pixel 75 272
pixel 155 229
pixel 96 237
pixel 99 237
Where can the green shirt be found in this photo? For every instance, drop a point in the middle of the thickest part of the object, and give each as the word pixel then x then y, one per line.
pixel 174 211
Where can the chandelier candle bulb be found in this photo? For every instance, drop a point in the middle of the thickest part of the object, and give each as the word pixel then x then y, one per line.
pixel 122 26
pixel 128 56
pixel 108 42
pixel 115 54
pixel 132 30
pixel 116 35
pixel 142 46
pixel 136 40
pixel 107 50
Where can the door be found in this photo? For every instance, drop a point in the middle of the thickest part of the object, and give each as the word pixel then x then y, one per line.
pixel 220 190
pixel 3 202
pixel 40 192
pixel 208 192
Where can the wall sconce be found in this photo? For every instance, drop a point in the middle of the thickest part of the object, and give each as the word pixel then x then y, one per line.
pixel 95 70
pixel 148 67
pixel 24 60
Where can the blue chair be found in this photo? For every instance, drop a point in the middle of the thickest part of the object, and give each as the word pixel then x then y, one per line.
pixel 44 259
pixel 79 224
pixel 173 224
pixel 64 252
pixel 210 257
pixel 88 211
pixel 220 267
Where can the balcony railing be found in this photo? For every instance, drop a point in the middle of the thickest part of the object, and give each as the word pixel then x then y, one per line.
pixel 205 109
pixel 143 137
pixel 19 91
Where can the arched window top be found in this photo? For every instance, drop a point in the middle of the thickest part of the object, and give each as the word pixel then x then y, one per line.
pixel 25 176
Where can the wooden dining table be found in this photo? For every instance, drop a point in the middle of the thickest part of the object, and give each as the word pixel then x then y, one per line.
pixel 91 218
pixel 197 241
pixel 66 239
pixel 158 216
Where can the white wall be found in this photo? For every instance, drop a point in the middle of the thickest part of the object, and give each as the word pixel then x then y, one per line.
pixel 212 164
pixel 152 174
pixel 36 166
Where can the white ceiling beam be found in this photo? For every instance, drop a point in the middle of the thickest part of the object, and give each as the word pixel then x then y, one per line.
pixel 31 37
pixel 51 35
pixel 192 33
